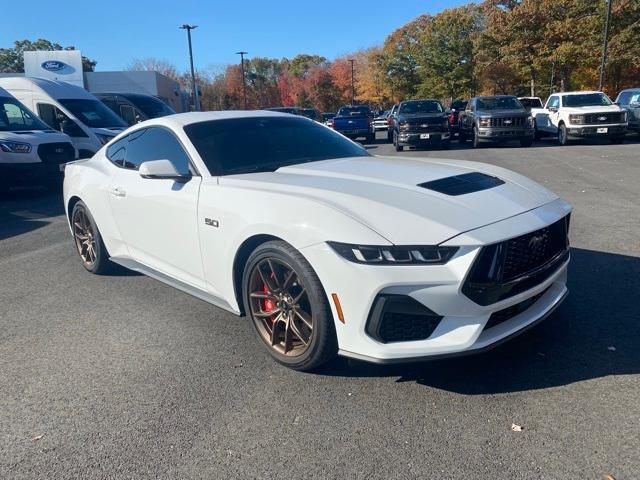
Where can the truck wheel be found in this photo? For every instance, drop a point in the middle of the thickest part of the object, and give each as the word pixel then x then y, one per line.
pixel 461 137
pixel 476 140
pixel 526 142
pixel 617 140
pixel 446 145
pixel 371 138
pixel 562 135
pixel 389 136
pixel 399 147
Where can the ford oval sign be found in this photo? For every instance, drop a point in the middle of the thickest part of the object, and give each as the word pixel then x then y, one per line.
pixel 53 65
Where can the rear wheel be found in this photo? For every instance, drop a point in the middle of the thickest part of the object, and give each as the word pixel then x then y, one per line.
pixel 526 142
pixel 288 307
pixel 617 140
pixel 371 138
pixel 88 240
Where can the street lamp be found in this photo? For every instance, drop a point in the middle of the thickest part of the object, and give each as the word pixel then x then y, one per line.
pixel 353 88
pixel 196 100
pixel 244 84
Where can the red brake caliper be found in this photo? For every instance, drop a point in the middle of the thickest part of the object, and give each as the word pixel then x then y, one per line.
pixel 267 304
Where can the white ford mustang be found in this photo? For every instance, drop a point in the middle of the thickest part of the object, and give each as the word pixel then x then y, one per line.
pixel 327 249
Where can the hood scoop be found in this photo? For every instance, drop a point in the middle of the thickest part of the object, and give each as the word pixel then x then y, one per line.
pixel 463 184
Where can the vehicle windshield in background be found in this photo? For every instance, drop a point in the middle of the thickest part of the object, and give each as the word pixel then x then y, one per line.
pixel 93 113
pixel 498 103
pixel 586 100
pixel 530 103
pixel 14 117
pixel 383 114
pixel 244 145
pixel 152 107
pixel 458 105
pixel 354 112
pixel 292 110
pixel 309 113
pixel 627 98
pixel 421 106
pixel 328 116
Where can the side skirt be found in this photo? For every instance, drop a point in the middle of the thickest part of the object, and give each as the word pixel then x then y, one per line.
pixel 185 287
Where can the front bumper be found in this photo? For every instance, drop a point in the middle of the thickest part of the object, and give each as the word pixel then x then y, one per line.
pixel 380 125
pixel 595 131
pixel 418 139
pixel 24 174
pixel 505 134
pixel 438 288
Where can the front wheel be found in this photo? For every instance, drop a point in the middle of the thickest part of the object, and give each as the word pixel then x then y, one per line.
pixel 562 135
pixel 288 307
pixel 476 138
pixel 526 142
pixel 88 240
pixel 617 140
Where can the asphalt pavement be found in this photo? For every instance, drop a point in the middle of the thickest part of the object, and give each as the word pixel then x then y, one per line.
pixel 120 376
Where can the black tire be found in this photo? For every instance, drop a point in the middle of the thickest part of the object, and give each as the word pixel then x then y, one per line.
pixel 389 136
pixel 461 137
pixel 399 148
pixel 526 142
pixel 100 264
pixel 475 138
pixel 371 138
pixel 562 135
pixel 616 140
pixel 446 145
pixel 323 345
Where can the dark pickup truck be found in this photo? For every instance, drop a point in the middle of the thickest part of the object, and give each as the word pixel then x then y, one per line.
pixel 497 118
pixel 419 123
pixel 355 122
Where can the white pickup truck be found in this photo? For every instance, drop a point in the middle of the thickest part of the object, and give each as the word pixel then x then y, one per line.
pixel 570 115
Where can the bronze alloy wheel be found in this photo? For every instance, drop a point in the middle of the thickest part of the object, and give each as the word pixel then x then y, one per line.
pixel 280 307
pixel 84 236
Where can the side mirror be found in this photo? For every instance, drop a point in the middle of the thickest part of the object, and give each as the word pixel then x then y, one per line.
pixel 553 109
pixel 162 170
pixel 634 104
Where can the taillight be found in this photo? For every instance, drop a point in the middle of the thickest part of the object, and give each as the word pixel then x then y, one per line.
pixel 330 123
pixel 389 121
pixel 452 118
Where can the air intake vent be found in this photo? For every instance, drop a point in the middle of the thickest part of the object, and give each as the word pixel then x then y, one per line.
pixel 463 184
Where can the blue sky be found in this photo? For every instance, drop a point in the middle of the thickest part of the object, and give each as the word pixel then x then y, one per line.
pixel 115 32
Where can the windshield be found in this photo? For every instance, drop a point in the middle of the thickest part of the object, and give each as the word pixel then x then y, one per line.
pixel 327 116
pixel 354 112
pixel 627 98
pixel 93 113
pixel 459 105
pixel 14 117
pixel 384 114
pixel 498 103
pixel 243 145
pixel 585 100
pixel 530 103
pixel 151 106
pixel 420 106
pixel 309 113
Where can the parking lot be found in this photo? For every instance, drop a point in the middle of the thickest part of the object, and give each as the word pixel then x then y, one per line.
pixel 121 376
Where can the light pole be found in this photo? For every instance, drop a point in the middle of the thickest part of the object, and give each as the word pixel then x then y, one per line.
pixel 196 100
pixel 244 83
pixel 605 42
pixel 353 88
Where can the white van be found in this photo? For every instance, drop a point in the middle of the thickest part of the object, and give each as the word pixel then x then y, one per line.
pixel 29 149
pixel 69 109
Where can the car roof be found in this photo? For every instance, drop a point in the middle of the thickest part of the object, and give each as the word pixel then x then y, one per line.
pixel 577 92
pixel 182 119
pixel 54 88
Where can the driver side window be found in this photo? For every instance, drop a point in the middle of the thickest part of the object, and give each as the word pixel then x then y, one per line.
pixel 155 143
pixel 554 102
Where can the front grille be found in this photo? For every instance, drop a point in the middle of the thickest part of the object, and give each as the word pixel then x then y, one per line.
pixel 603 118
pixel 400 318
pixel 507 122
pixel 56 153
pixel 507 268
pixel 426 126
pixel 508 313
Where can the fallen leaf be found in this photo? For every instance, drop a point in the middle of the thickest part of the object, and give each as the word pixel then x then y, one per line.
pixel 238 365
pixel 37 438
pixel 608 477
pixel 516 428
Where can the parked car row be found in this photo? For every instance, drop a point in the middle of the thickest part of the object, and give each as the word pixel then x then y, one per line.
pixel 501 118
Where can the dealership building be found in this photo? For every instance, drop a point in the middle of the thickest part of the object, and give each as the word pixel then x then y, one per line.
pixel 66 65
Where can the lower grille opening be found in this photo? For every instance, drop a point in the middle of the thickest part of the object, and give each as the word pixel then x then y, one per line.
pixel 508 313
pixel 56 153
pixel 400 318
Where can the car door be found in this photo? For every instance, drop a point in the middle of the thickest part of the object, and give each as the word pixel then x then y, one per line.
pixel 466 121
pixel 157 218
pixel 551 115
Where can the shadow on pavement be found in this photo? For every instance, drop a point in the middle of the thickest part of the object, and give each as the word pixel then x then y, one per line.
pixel 595 333
pixel 23 211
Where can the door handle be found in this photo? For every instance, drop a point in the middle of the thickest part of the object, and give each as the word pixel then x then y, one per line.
pixel 117 192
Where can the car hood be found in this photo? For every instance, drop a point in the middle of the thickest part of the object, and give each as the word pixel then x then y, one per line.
pixel 384 194
pixel 501 113
pixel 35 137
pixel 593 109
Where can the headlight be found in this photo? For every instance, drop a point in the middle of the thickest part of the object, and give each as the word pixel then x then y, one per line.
pixel 576 119
pixel 394 255
pixel 104 139
pixel 15 147
pixel 530 121
pixel 484 122
pixel 625 116
pixel 403 126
